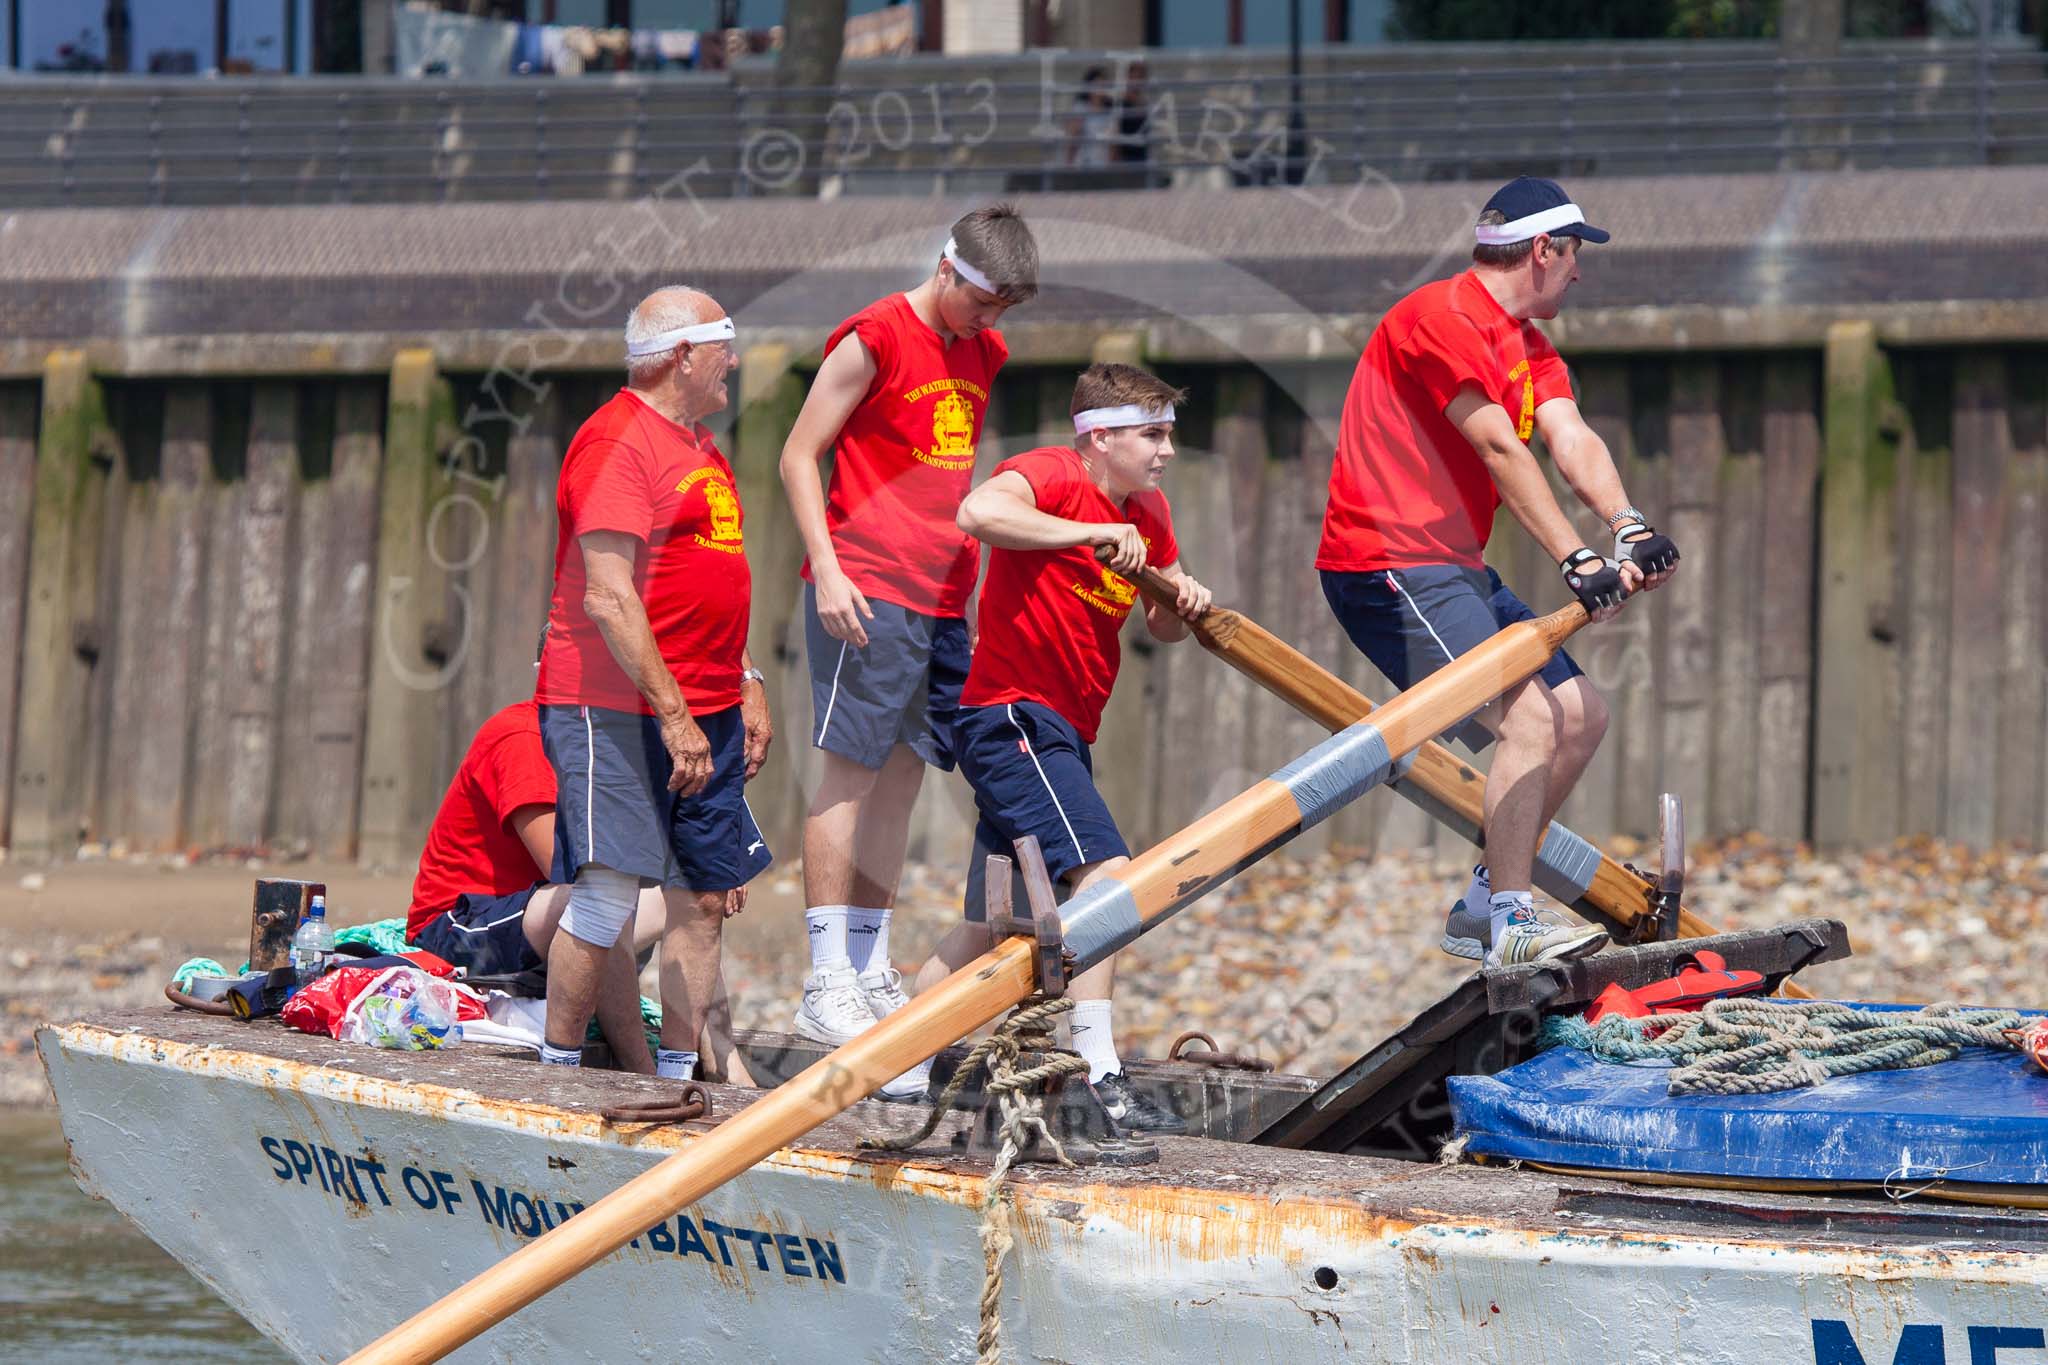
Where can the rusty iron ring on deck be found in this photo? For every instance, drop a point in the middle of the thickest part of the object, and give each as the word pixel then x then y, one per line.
pixel 693 1101
pixel 193 1002
pixel 1215 1056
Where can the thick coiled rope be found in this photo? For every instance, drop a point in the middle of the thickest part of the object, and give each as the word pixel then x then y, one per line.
pixel 1759 1047
pixel 1018 1101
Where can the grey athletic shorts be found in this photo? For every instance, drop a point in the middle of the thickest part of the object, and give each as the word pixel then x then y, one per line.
pixel 902 687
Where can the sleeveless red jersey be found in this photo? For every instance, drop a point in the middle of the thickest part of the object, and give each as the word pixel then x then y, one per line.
pixel 905 459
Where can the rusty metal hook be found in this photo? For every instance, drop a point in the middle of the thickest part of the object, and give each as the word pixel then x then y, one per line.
pixel 193 1002
pixel 693 1101
pixel 1215 1056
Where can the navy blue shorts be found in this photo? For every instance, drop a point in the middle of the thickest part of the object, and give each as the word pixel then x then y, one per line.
pixel 903 687
pixel 485 935
pixel 613 806
pixel 1411 622
pixel 1031 774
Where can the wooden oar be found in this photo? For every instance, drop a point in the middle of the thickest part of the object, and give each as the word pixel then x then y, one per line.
pixel 1110 913
pixel 1437 780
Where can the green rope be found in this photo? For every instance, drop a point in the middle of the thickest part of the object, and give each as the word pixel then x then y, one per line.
pixel 1759 1047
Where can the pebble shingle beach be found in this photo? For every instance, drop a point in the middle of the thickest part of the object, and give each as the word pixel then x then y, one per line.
pixel 1307 962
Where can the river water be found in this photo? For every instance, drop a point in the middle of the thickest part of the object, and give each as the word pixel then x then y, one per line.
pixel 78 1283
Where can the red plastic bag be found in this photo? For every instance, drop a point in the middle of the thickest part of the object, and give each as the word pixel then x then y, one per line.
pixel 323 1006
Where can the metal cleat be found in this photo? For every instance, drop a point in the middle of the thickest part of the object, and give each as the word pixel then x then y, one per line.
pixel 1041 925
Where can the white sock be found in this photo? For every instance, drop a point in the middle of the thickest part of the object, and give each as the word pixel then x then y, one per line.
pixel 678 1066
pixel 561 1056
pixel 827 926
pixel 1506 904
pixel 1093 1039
pixel 1478 891
pixel 867 938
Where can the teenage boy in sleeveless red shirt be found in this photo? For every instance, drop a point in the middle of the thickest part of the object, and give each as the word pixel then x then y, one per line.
pixel 1046 661
pixel 651 711
pixel 899 403
pixel 1453 382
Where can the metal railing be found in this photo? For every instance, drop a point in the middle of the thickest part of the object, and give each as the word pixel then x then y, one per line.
pixel 1429 118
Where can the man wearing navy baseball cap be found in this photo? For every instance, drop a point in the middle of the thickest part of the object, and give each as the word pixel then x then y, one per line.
pixel 1453 384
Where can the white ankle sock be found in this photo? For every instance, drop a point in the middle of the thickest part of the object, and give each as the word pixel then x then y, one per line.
pixel 676 1065
pixel 561 1056
pixel 1504 905
pixel 1093 1039
pixel 827 927
pixel 867 938
pixel 1479 890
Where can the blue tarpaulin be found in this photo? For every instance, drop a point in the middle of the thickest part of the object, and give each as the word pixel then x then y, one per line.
pixel 1982 1117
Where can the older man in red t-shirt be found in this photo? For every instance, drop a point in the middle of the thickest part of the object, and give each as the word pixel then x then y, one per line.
pixel 651 710
pixel 1453 382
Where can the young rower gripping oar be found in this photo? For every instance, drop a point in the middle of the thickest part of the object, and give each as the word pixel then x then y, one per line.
pixel 1047 660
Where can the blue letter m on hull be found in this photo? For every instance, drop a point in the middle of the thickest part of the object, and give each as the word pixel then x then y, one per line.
pixel 1920 1343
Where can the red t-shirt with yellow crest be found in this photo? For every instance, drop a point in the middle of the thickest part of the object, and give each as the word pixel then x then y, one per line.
pixel 632 470
pixel 1050 618
pixel 1407 488
pixel 905 459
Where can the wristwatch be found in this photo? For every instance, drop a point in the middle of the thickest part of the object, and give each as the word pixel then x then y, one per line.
pixel 1626 514
pixel 753 675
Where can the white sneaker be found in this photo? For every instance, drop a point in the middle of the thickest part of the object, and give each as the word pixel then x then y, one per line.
pixel 1528 938
pixel 834 1009
pixel 883 987
pixel 914 1084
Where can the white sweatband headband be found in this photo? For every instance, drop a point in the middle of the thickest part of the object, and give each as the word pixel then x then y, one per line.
pixel 1523 229
pixel 966 271
pixel 661 343
pixel 1129 415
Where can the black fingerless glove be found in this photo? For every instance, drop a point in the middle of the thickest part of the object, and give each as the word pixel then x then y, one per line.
pixel 1593 580
pixel 1650 550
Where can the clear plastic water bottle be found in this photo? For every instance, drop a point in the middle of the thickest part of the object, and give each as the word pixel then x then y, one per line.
pixel 313 945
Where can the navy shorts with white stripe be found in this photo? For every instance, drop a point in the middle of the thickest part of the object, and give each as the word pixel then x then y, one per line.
pixel 1411 622
pixel 902 687
pixel 485 935
pixel 1031 774
pixel 613 806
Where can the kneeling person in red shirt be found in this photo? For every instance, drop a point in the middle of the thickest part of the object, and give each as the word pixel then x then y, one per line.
pixel 481 899
pixel 1047 660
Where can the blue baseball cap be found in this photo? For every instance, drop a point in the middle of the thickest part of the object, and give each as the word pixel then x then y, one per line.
pixel 1532 206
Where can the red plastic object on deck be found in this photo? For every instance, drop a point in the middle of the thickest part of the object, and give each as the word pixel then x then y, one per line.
pixel 1704 977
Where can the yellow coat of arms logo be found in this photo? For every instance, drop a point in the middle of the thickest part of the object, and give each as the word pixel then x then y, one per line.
pixel 724 505
pixel 952 431
pixel 1118 589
